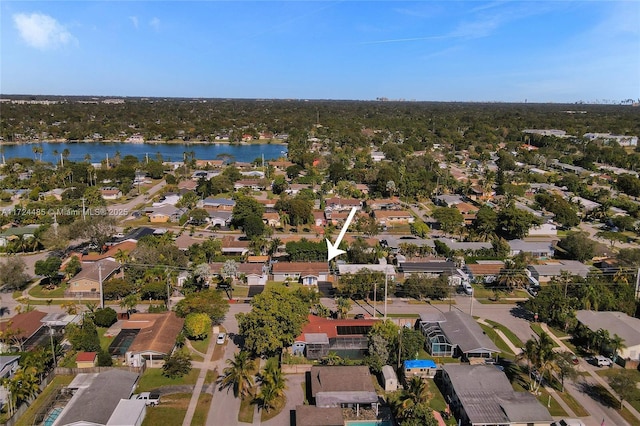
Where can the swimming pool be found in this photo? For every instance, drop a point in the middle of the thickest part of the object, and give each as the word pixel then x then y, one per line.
pixel 53 415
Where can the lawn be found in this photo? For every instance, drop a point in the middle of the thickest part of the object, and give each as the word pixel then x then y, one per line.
pixel 573 404
pixel 279 404
pixel 510 335
pixel 245 414
pixel 105 341
pixel 538 330
pixel 201 345
pixel 170 411
pixel 153 379
pixel 635 374
pixel 240 291
pixel 41 291
pixel 497 340
pixel 29 416
pixel 202 410
pixel 211 377
pixel 520 382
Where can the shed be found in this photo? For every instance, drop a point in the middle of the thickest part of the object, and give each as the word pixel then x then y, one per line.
pixel 389 378
pixel 128 412
pixel 86 359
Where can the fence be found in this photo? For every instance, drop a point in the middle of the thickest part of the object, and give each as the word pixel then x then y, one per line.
pixel 73 371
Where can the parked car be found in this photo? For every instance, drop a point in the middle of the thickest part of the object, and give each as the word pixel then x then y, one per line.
pixel 603 361
pixel 150 398
pixel 358 316
pixel 568 422
pixel 221 338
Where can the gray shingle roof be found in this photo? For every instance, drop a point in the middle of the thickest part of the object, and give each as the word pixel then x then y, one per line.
pixel 97 402
pixel 615 322
pixel 462 330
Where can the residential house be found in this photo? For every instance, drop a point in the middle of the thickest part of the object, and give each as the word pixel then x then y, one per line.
pixel 393 217
pixel 537 249
pixel 339 204
pixel 423 368
pixel 481 395
pixel 468 212
pixel 271 219
pixel 155 338
pixel 280 165
pixel 448 200
pixel 25 326
pixel 483 270
pixel 96 396
pixel 615 323
pixel 231 246
pixel 215 164
pixel 319 218
pixel 310 415
pixel 395 243
pixel 548 229
pixel 110 193
pixel 86 359
pixel 545 272
pixel 168 199
pixel 456 334
pixel 392 203
pixel 87 282
pixel 8 367
pixel 254 184
pixel 466 246
pixel 343 386
pixel 220 218
pixel 111 253
pixel 308 273
pixel 377 156
pixel 128 412
pixel 346 337
pixel 203 175
pixel 479 194
pixel 432 269
pixel 16 232
pixel 386 269
pixel 166 213
pixel 253 273
pixel 295 188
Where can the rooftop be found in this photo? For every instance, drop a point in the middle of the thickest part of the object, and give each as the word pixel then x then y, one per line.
pixel 615 322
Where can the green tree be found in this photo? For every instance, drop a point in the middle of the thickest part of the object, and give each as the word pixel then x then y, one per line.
pixel 253 227
pixel 244 208
pixel 84 337
pixel 344 306
pixel 624 385
pixel 515 223
pixel 485 223
pixel 49 267
pixel 197 326
pixel 208 301
pixel 13 275
pixel 566 368
pixel 177 364
pixel 238 375
pixel 450 219
pixel 105 317
pixel 578 246
pixel 539 353
pixel 272 385
pixel 275 320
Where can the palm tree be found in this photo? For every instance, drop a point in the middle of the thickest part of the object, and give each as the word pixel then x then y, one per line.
pixel 121 256
pixel 539 355
pixel 417 392
pixel 272 385
pixel 285 220
pixel 343 305
pixel 602 339
pixel 130 302
pixel 238 374
pixel 273 247
pixel 590 297
pixel 511 276
pixel 566 368
pixel 616 343
pixel 332 358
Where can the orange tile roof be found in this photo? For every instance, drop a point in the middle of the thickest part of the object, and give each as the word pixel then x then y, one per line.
pixel 86 356
pixel 125 246
pixel 25 322
pixel 158 332
pixel 330 326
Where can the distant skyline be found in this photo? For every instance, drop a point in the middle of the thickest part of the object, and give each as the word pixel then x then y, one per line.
pixel 499 51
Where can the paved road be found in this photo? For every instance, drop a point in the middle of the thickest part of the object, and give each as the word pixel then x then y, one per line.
pixel 122 210
pixel 592 230
pixel 224 406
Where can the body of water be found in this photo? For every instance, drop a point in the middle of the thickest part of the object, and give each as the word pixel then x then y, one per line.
pixel 169 152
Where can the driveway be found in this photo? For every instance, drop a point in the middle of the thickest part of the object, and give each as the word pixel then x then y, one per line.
pixel 294 398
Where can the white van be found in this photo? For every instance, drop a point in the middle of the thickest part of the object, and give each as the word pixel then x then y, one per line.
pixel 467 288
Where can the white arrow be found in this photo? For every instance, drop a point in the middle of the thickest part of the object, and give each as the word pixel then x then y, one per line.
pixel 332 249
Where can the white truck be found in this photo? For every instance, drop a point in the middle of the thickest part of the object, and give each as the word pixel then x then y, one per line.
pixel 150 398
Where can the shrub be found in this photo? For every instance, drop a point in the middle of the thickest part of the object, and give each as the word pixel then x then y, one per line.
pixel 197 325
pixel 176 365
pixel 105 317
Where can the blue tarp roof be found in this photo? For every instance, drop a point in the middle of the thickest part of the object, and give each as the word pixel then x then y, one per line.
pixel 419 363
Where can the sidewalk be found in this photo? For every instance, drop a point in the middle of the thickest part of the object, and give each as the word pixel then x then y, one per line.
pixel 516 351
pixel 595 376
pixel 199 384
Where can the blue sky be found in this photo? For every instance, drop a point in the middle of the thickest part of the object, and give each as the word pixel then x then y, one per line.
pixel 542 51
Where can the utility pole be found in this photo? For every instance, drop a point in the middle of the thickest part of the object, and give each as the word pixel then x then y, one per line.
pixel 638 284
pixel 53 350
pixel 100 281
pixel 375 286
pixel 83 213
pixel 386 279
pixel 471 308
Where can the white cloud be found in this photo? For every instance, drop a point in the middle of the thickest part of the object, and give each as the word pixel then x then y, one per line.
pixel 155 23
pixel 42 31
pixel 134 21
